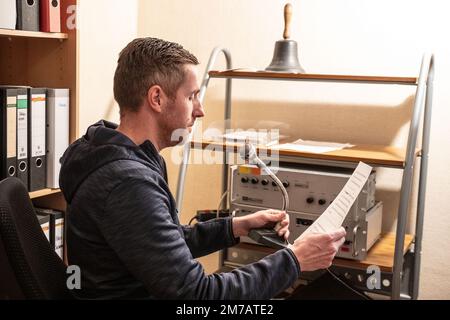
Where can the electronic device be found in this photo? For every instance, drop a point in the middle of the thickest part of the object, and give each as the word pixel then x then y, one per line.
pixel 311 189
pixel 361 235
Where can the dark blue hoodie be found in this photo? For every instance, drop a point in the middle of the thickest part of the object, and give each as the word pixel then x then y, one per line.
pixel 123 230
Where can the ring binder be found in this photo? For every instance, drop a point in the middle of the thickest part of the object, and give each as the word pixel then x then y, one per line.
pixel 8 133
pixel 28 15
pixel 36 138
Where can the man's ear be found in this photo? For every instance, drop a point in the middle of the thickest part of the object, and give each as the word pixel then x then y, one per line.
pixel 154 98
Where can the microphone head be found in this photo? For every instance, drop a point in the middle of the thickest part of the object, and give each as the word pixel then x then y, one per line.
pixel 248 153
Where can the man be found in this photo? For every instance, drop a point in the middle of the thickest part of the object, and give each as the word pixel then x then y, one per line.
pixel 123 229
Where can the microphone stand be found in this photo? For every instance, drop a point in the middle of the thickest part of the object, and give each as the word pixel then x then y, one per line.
pixel 266 236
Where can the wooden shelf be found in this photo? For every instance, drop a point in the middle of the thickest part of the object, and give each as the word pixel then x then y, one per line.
pixel 43 193
pixel 264 75
pixel 371 154
pixel 381 254
pixel 32 34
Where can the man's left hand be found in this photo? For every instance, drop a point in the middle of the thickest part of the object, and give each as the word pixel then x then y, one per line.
pixel 265 218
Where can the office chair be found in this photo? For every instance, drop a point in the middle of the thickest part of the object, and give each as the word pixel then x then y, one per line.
pixel 37 270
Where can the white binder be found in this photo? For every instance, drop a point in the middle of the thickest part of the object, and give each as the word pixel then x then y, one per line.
pixel 37 105
pixel 8 14
pixel 57 132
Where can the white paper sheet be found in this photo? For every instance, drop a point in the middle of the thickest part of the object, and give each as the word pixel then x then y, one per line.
pixel 312 146
pixel 333 217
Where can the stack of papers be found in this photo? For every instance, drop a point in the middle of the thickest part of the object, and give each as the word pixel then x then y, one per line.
pixel 312 146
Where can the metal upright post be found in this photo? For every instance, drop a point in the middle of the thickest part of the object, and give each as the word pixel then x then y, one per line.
pixel 187 146
pixel 227 118
pixel 408 177
pixel 423 180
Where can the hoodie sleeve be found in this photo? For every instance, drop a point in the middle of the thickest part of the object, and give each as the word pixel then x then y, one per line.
pixel 138 226
pixel 206 237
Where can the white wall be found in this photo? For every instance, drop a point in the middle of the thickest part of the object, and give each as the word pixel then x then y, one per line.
pixel 105 27
pixel 345 37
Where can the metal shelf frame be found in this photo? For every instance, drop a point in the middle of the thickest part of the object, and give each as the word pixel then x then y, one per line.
pixel 406 272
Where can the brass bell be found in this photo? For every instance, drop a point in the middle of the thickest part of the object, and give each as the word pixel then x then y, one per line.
pixel 285 56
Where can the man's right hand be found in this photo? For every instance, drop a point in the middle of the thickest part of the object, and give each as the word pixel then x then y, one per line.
pixel 317 251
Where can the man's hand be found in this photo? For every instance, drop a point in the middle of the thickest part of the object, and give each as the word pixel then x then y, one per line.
pixel 266 218
pixel 317 251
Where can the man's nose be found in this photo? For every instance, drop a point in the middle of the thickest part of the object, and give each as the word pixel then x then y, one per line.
pixel 198 110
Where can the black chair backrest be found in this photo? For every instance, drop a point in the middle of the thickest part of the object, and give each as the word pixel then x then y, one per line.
pixel 39 272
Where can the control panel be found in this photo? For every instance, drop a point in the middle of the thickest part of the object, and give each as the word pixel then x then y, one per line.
pixel 310 192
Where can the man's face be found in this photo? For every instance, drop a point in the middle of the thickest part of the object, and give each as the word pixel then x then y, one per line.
pixel 180 114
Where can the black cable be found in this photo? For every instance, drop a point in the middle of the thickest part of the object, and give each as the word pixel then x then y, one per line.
pixel 359 293
pixel 192 219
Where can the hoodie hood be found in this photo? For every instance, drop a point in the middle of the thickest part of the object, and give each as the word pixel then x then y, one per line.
pixel 102 144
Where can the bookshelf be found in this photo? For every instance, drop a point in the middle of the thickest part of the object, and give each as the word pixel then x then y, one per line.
pixel 42 59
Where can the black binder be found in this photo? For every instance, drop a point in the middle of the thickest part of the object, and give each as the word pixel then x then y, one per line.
pixel 37 99
pixel 28 15
pixel 8 133
pixel 22 135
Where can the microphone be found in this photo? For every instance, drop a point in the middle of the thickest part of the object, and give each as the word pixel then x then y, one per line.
pixel 266 236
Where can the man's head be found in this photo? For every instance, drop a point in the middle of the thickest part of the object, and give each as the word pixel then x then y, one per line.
pixel 161 77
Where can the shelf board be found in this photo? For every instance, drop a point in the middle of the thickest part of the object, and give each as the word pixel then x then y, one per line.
pixel 32 34
pixel 371 154
pixel 43 193
pixel 264 75
pixel 381 254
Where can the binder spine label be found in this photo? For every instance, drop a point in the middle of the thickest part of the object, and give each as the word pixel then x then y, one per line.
pixel 38 125
pixel 22 125
pixel 59 237
pixel 46 228
pixel 11 127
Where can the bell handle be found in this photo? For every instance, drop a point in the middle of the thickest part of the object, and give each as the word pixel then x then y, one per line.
pixel 287 21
